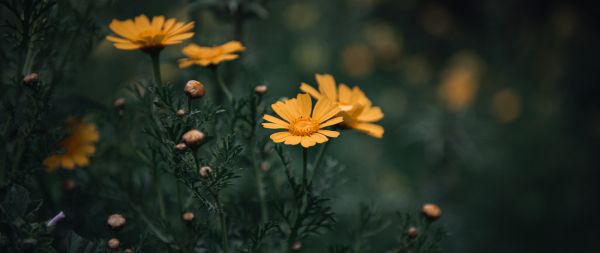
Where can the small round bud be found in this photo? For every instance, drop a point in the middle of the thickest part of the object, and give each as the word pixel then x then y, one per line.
pixel 181 147
pixel 205 171
pixel 187 216
pixel 296 245
pixel 193 137
pixel 116 221
pixel 180 113
pixel 265 166
pixel 194 89
pixel 128 251
pixel 431 211
pixel 68 185
pixel 30 79
pixel 114 243
pixel 261 89
pixel 120 103
pixel 412 232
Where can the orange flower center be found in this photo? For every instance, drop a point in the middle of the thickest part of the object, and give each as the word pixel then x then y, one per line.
pixel 303 127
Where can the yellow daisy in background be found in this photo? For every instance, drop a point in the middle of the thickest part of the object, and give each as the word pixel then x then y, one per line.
pixel 355 107
pixel 149 36
pixel 303 124
pixel 75 148
pixel 205 56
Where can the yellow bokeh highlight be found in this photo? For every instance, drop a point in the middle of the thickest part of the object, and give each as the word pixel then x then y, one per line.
pixel 506 106
pixel 460 81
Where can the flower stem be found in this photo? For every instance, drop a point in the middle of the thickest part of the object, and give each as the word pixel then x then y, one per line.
pixel 155 56
pixel 259 182
pixel 304 166
pixel 161 203
pixel 223 223
pixel 319 158
pixel 222 84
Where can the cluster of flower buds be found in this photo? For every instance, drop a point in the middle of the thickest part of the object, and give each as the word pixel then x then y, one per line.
pixel 193 138
pixel 194 89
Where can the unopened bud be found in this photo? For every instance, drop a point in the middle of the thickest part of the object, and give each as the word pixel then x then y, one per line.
pixel 193 137
pixel 116 221
pixel 180 113
pixel 205 171
pixel 261 89
pixel 296 245
pixel 187 216
pixel 194 89
pixel 181 147
pixel 114 243
pixel 128 251
pixel 431 211
pixel 68 185
pixel 265 166
pixel 30 79
pixel 56 219
pixel 120 103
pixel 412 232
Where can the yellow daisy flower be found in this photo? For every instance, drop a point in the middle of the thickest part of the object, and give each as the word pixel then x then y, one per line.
pixel 75 148
pixel 205 56
pixel 303 124
pixel 356 108
pixel 149 36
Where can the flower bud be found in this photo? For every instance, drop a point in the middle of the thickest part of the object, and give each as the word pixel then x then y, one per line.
pixel 116 221
pixel 205 171
pixel 180 113
pixel 194 89
pixel 297 245
pixel 30 79
pixel 181 147
pixel 187 216
pixel 412 232
pixel 265 166
pixel 261 89
pixel 128 251
pixel 114 243
pixel 120 103
pixel 193 137
pixel 431 211
pixel 69 185
pixel 56 219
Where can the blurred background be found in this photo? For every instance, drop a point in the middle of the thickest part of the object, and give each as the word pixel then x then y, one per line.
pixel 492 108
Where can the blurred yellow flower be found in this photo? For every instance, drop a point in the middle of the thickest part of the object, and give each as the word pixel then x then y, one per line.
pixel 75 148
pixel 303 124
pixel 357 60
pixel 506 106
pixel 460 81
pixel 149 36
pixel 205 56
pixel 355 107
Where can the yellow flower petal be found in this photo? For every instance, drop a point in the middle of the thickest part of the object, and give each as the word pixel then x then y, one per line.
pixel 327 86
pixel 280 136
pixel 292 140
pixel 329 133
pixel 310 90
pixel 275 120
pixel 273 126
pixel 332 122
pixel 319 138
pixel 370 129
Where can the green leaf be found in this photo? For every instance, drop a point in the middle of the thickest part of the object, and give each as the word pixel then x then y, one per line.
pixel 15 203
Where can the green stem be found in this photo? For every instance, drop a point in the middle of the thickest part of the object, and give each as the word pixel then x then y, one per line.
pixel 304 166
pixel 259 182
pixel 161 202
pixel 156 68
pixel 223 223
pixel 319 159
pixel 222 84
